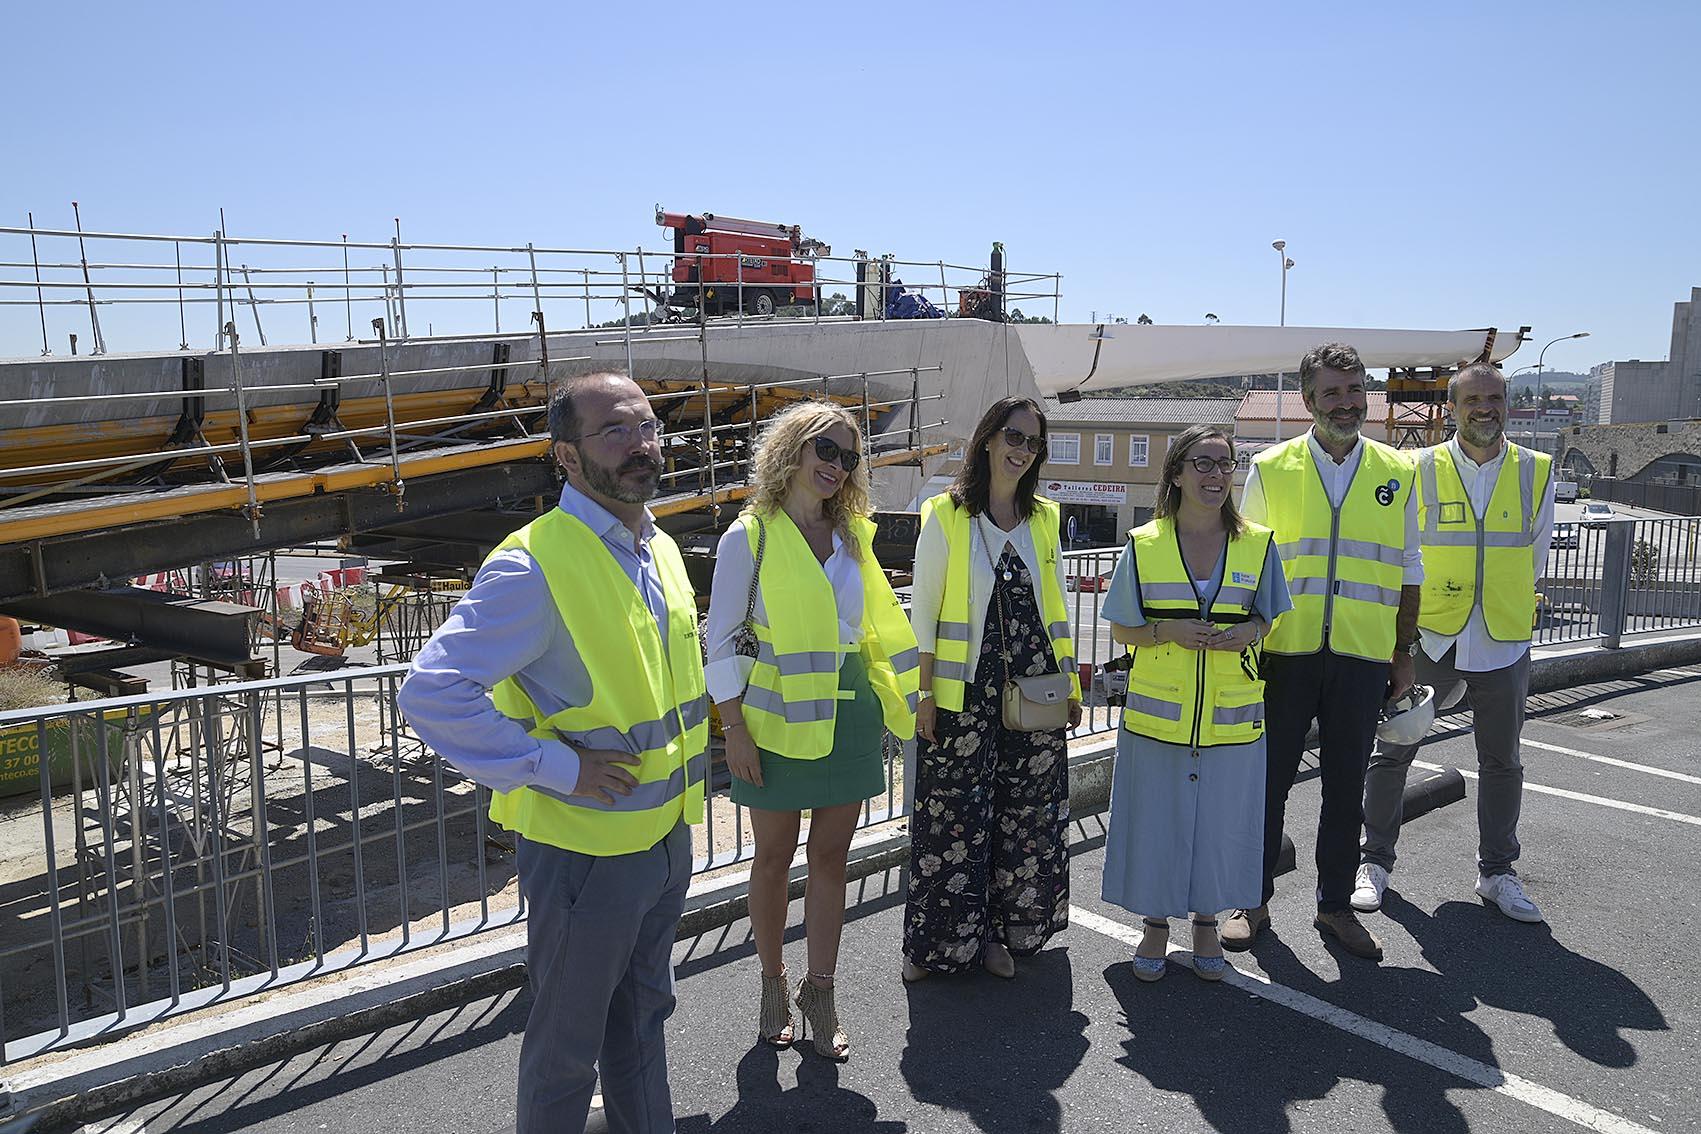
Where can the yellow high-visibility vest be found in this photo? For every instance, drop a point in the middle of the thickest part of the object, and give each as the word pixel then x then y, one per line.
pixel 952 666
pixel 647 698
pixel 1201 698
pixel 1462 553
pixel 1344 565
pixel 791 703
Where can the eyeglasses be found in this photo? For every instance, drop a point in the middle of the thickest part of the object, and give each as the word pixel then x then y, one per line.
pixel 829 450
pixel 646 431
pixel 1016 439
pixel 1205 464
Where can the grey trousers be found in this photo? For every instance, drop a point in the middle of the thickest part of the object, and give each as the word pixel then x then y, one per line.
pixel 599 957
pixel 1497 704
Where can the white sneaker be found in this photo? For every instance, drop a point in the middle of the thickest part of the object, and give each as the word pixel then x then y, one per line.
pixel 1368 888
pixel 1505 891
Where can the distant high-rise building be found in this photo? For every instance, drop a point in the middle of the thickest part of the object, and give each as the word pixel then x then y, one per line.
pixel 1634 390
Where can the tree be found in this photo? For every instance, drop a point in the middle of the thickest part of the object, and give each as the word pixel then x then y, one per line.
pixel 1016 316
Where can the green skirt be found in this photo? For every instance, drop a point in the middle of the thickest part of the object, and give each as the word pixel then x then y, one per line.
pixel 854 770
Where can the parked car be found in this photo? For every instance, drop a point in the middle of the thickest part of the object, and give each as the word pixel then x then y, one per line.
pixel 1596 513
pixel 1086 582
pixel 1565 535
pixel 1565 491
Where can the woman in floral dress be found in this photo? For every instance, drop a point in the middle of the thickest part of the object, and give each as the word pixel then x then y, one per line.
pixel 989 861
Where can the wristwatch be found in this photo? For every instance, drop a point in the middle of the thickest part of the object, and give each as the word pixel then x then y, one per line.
pixel 1410 650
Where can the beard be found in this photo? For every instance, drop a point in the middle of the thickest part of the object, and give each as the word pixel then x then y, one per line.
pixel 1482 434
pixel 1339 433
pixel 607 479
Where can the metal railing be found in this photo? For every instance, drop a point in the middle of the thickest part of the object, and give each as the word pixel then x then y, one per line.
pixel 1604 579
pixel 167 851
pixel 1657 495
pixel 153 289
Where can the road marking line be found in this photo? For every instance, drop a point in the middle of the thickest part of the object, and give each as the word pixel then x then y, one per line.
pixel 1678 672
pixel 1652 771
pixel 1472 1071
pixel 1581 797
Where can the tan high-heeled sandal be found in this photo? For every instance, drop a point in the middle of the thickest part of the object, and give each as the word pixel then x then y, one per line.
pixel 819 1012
pixel 775 1027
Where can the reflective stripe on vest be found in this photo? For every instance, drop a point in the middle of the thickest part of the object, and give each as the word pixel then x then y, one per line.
pixel 648 698
pixel 791 701
pixel 1200 698
pixel 1344 565
pixel 953 669
pixel 1485 561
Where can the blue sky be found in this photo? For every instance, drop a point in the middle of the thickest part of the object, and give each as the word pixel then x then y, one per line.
pixel 1442 165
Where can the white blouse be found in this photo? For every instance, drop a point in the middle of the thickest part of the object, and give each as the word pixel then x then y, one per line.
pixel 932 560
pixel 728 673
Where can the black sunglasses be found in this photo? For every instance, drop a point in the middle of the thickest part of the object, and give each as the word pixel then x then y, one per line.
pixel 1016 439
pixel 830 450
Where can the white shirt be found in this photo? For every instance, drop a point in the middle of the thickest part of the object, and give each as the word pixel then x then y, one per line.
pixel 1336 478
pixel 727 673
pixel 932 561
pixel 1477 651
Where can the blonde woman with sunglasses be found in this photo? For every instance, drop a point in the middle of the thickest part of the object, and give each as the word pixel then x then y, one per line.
pixel 834 668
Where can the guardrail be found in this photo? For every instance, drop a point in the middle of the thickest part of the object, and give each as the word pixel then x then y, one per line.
pixel 167 851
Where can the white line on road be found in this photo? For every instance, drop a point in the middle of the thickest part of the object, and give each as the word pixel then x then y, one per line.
pixel 1652 771
pixel 1601 800
pixel 1472 1071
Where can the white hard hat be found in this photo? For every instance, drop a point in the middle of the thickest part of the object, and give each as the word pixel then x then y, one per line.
pixel 1406 720
pixel 1450 698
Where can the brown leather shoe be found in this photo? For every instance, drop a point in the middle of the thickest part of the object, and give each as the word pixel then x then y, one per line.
pixel 1343 925
pixel 1242 926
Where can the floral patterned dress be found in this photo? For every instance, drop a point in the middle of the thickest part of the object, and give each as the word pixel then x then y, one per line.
pixel 989 860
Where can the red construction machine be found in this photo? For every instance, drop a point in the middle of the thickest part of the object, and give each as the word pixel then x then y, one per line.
pixel 724 264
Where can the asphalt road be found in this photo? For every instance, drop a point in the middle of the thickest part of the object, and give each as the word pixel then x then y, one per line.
pixel 1472 1022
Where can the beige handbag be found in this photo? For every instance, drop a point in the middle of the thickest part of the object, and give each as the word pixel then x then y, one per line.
pixel 1031 704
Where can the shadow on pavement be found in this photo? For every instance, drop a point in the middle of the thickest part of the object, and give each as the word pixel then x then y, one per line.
pixel 818 1103
pixel 1414 1097
pixel 1525 969
pixel 245 1101
pixel 996 1050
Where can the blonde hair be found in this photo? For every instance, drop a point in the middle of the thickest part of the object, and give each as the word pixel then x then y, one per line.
pixel 779 455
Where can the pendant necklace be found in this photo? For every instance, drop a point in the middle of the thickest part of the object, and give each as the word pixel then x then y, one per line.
pixel 1006 573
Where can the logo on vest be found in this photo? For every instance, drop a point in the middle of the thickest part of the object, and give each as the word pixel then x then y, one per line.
pixel 1385 492
pixel 1243 578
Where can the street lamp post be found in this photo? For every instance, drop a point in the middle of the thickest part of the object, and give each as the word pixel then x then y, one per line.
pixel 1510 379
pixel 1536 429
pixel 1281 251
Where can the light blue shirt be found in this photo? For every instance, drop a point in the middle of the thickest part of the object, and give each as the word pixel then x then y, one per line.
pixel 507 625
pixel 1122 603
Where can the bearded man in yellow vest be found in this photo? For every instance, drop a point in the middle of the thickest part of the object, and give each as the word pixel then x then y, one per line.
pixel 570 682
pixel 1345 517
pixel 1485 510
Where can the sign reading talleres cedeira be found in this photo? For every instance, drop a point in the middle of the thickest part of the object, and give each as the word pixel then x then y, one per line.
pixel 1084 492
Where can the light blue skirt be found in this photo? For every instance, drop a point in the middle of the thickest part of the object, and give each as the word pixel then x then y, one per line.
pixel 1186 832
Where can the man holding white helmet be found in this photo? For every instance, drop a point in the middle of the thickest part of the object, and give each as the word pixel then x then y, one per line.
pixel 1485 509
pixel 1345 516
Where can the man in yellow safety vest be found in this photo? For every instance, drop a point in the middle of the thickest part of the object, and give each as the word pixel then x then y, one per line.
pixel 570 682
pixel 1345 517
pixel 1485 509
